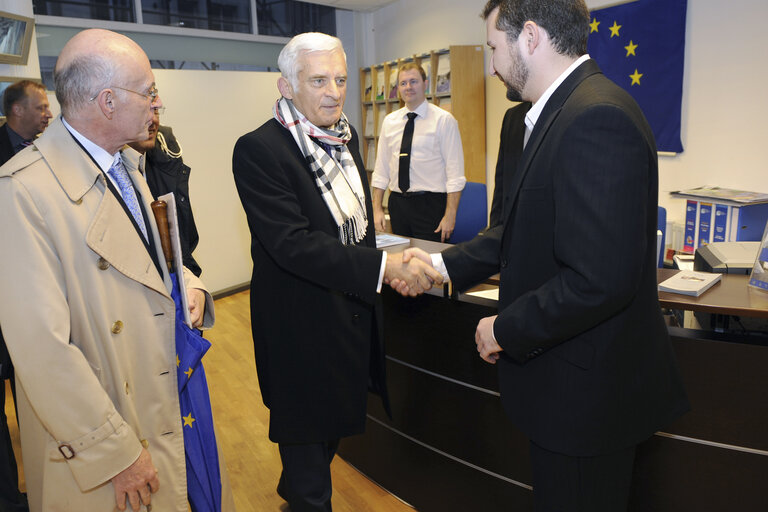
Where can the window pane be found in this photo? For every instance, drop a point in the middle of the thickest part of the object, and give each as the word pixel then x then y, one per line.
pixel 289 17
pixel 223 15
pixel 111 10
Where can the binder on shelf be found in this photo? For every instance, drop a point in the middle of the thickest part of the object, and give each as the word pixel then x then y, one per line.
pixel 721 223
pixel 370 160
pixel 691 217
pixel 381 113
pixel 704 222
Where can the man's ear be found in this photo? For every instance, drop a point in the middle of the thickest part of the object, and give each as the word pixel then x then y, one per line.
pixel 285 88
pixel 531 36
pixel 17 109
pixel 106 102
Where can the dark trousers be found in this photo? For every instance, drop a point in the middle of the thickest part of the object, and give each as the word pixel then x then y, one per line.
pixel 306 479
pixel 417 214
pixel 562 483
pixel 11 500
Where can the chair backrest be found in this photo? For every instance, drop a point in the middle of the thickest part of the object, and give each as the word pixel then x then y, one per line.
pixel 661 225
pixel 472 215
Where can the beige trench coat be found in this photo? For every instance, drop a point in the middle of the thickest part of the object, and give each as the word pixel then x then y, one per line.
pixel 89 324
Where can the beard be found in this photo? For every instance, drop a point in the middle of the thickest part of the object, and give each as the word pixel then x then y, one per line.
pixel 517 77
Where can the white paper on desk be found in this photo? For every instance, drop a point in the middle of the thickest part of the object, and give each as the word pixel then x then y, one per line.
pixel 178 262
pixel 388 240
pixel 492 293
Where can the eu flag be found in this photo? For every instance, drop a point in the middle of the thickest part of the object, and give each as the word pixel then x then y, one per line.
pixel 640 45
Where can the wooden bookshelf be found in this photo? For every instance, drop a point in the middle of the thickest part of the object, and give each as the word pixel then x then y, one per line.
pixel 463 95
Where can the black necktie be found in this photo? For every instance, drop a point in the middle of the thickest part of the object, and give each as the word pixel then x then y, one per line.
pixel 404 179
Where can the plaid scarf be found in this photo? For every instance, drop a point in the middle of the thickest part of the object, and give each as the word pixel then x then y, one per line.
pixel 339 185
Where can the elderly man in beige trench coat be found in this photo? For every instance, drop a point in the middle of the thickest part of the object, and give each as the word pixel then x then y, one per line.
pixel 84 304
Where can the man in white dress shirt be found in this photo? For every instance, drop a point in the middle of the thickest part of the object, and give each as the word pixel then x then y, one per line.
pixel 426 173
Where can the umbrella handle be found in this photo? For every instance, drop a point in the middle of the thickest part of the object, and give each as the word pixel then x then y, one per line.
pixel 160 209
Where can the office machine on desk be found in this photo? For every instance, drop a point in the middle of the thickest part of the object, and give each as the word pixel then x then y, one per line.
pixel 726 257
pixel 729 258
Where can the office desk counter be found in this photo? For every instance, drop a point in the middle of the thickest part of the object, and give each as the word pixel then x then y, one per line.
pixel 449 446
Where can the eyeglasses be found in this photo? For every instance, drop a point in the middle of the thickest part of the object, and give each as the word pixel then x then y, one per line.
pixel 152 94
pixel 159 110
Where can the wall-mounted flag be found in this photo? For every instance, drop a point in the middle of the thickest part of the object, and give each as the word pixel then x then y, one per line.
pixel 640 45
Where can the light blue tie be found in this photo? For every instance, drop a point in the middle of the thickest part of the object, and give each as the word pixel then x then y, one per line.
pixel 120 175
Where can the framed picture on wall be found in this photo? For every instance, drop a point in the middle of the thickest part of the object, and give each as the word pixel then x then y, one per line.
pixel 15 38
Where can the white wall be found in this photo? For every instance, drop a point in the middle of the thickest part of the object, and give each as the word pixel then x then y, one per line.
pixel 725 105
pixel 208 112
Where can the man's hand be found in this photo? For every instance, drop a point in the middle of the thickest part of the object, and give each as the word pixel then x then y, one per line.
pixel 378 219
pixel 414 277
pixel 446 226
pixel 136 481
pixel 196 300
pixel 400 286
pixel 486 344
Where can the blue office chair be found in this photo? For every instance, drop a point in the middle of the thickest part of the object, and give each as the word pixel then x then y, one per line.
pixel 661 225
pixel 472 215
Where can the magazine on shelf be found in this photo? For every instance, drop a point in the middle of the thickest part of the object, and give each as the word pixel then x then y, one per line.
pixel 690 282
pixel 380 85
pixel 368 87
pixel 443 80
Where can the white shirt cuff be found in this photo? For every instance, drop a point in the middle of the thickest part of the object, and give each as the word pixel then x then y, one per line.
pixel 381 272
pixel 439 264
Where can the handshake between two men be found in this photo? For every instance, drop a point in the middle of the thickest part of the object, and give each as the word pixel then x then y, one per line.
pixel 412 273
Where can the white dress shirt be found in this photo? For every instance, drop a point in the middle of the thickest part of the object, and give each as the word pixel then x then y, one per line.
pixel 103 159
pixel 437 158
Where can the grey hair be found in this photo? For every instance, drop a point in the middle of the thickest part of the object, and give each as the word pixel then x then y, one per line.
pixel 307 42
pixel 82 80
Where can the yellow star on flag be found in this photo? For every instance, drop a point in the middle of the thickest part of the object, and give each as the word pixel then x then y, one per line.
pixel 188 373
pixel 615 29
pixel 188 420
pixel 178 361
pixel 631 48
pixel 635 78
pixel 593 26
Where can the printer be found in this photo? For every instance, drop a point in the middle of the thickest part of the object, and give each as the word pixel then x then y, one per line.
pixel 726 257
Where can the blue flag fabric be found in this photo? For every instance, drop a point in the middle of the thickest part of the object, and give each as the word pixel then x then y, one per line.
pixel 640 45
pixel 203 476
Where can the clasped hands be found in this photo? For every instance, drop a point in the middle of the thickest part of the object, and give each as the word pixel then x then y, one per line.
pixel 410 273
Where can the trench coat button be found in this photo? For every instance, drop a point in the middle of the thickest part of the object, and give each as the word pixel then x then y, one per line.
pixel 79 201
pixel 117 327
pixel 126 388
pixel 145 443
pixel 103 264
pixel 355 318
pixel 504 263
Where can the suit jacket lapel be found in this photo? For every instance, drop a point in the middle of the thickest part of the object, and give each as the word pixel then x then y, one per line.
pixel 548 116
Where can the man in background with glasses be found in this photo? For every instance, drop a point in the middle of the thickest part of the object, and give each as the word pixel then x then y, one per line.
pixel 85 304
pixel 165 172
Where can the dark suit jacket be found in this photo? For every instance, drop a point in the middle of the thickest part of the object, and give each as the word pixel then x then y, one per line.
pixel 6 149
pixel 314 307
pixel 166 174
pixel 510 150
pixel 6 152
pixel 587 366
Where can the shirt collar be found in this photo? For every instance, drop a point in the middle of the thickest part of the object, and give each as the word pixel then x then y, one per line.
pixel 99 154
pixel 537 108
pixel 421 110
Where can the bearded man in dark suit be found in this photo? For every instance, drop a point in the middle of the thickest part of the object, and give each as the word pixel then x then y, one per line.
pixel 586 369
pixel 315 311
